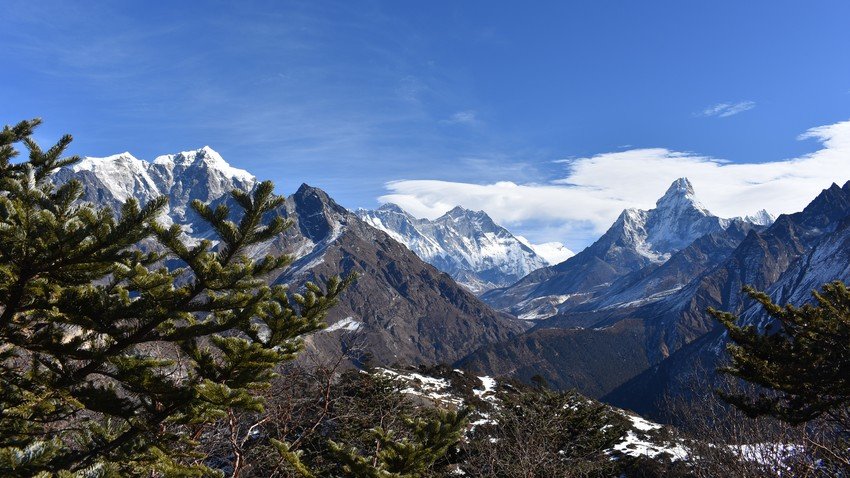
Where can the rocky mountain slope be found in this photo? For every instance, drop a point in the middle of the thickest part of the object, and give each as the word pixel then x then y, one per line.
pixel 401 310
pixel 796 255
pixel 624 319
pixel 634 352
pixel 598 339
pixel 468 245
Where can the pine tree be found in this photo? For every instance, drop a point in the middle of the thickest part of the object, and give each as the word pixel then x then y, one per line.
pixel 114 356
pixel 413 456
pixel 804 361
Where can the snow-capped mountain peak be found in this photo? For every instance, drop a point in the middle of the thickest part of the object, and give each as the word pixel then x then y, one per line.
pixel 392 207
pixel 551 252
pixel 680 196
pixel 459 212
pixel 760 218
pixel 468 245
pixel 677 220
pixel 198 174
pixel 680 187
pixel 204 157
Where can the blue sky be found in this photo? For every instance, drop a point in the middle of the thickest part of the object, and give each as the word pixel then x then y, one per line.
pixel 462 98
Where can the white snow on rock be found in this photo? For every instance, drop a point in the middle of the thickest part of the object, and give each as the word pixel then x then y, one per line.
pixel 636 446
pixel 639 441
pixel 209 157
pixel 643 424
pixel 348 324
pixel 489 390
pixel 676 221
pixel 773 455
pixel 466 244
pixel 123 174
pixel 761 218
pixel 538 308
pixel 183 177
pixel 551 252
pixel 435 389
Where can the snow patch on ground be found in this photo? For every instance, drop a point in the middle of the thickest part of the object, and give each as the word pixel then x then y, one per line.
pixel 488 393
pixel 436 389
pixel 349 324
pixel 639 443
pixel 637 446
pixel 645 300
pixel 539 308
pixel 770 454
pixel 643 424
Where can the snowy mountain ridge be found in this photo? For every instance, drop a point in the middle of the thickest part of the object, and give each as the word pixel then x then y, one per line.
pixel 466 244
pixel 199 174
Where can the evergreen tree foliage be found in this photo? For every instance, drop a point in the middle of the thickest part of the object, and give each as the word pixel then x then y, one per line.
pixel 804 361
pixel 407 457
pixel 120 339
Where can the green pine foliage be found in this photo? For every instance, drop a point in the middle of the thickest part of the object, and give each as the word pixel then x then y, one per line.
pixel 119 340
pixel 804 362
pixel 428 440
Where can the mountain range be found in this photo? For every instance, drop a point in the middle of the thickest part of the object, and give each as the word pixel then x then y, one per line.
pixel 623 320
pixel 400 310
pixel 635 347
pixel 474 250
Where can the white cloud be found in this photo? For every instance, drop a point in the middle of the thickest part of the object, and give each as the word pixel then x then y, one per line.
pixel 596 189
pixel 468 117
pixel 722 110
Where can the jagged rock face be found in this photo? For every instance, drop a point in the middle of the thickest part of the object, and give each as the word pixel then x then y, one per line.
pixel 401 310
pixel 636 240
pixel 466 244
pixel 827 261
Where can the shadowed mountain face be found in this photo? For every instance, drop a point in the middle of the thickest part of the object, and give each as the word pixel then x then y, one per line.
pixel 656 316
pixel 466 244
pixel 653 322
pixel 401 310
